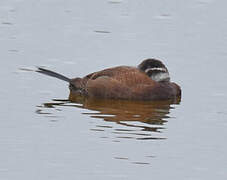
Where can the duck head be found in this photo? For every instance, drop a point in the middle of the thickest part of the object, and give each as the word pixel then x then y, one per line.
pixel 155 69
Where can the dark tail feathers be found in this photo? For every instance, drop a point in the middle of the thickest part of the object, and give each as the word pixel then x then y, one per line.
pixel 53 74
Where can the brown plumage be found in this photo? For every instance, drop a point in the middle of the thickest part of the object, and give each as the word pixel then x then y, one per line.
pixel 124 82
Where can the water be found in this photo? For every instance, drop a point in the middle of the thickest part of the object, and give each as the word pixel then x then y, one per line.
pixel 44 136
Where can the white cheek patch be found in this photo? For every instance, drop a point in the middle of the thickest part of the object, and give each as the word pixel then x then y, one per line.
pixel 155 69
pixel 162 76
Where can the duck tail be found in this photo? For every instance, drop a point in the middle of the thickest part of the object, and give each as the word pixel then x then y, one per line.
pixel 53 74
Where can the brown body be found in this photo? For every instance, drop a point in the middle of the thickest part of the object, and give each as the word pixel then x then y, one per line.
pixel 123 82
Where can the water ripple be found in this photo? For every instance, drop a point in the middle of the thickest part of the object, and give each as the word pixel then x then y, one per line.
pixel 136 120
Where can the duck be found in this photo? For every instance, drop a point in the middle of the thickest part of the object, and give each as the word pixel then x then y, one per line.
pixel 149 81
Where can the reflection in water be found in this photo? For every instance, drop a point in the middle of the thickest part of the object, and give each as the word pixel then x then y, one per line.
pixel 142 120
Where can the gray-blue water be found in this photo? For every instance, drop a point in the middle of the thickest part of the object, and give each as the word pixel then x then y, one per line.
pixel 42 136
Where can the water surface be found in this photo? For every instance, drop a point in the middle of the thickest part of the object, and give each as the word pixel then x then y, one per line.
pixel 43 135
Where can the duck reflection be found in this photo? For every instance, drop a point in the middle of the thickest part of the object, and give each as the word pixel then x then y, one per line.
pixel 143 120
